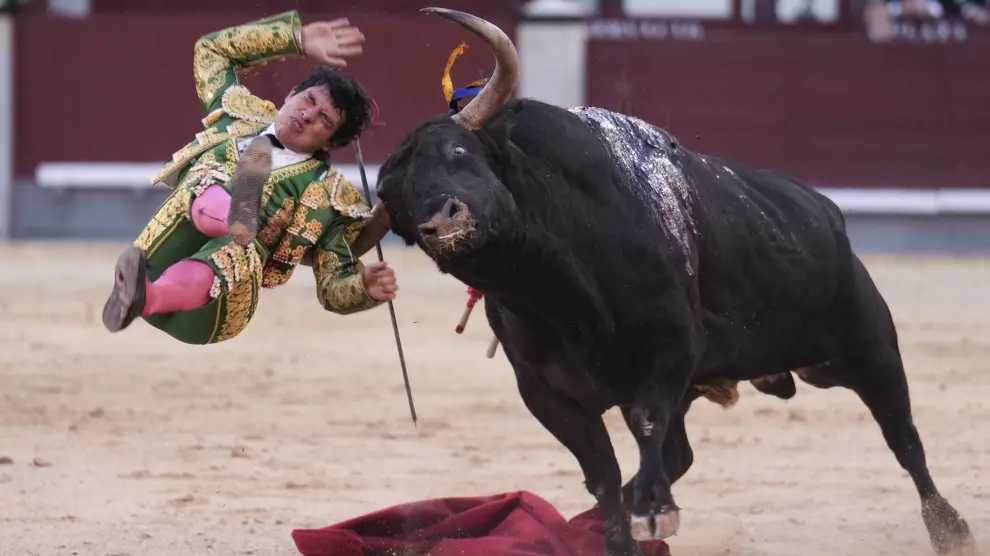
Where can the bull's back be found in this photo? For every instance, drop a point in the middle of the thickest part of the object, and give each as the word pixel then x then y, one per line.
pixel 772 252
pixel 777 213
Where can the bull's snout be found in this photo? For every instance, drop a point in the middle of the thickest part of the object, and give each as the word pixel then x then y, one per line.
pixel 443 219
pixel 450 226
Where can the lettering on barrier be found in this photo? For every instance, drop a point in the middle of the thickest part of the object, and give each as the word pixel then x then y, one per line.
pixel 644 29
pixel 929 32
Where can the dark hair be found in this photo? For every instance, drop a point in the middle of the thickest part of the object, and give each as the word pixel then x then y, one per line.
pixel 348 96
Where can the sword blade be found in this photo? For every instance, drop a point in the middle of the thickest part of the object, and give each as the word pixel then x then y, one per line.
pixel 391 307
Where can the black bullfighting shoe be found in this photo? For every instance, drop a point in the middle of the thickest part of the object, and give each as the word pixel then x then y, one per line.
pixel 126 301
pixel 246 189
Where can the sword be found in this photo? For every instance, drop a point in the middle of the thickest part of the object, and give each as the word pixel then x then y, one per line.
pixel 391 308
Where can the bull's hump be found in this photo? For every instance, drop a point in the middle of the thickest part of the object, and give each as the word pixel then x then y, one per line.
pixel 643 153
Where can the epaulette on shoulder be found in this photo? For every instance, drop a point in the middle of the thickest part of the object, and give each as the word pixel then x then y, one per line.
pixel 239 103
pixel 344 197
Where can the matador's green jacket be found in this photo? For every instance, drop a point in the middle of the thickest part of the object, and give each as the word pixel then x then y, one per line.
pixel 312 210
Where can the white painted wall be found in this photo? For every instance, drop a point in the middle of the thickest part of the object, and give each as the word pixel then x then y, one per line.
pixel 826 11
pixel 699 9
pixel 70 8
pixel 6 123
pixel 553 61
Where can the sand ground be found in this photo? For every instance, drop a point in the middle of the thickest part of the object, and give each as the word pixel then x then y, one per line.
pixel 133 444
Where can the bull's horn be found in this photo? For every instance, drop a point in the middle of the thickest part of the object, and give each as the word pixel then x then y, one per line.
pixel 372 232
pixel 499 88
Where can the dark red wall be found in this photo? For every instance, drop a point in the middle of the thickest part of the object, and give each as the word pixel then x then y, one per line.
pixel 379 7
pixel 831 108
pixel 120 87
pixel 827 106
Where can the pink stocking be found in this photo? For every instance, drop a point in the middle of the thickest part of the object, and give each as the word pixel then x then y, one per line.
pixel 183 286
pixel 210 211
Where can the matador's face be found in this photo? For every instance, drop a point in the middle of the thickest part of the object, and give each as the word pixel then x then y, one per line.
pixel 308 120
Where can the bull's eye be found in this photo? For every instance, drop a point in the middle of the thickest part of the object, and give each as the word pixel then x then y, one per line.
pixel 459 150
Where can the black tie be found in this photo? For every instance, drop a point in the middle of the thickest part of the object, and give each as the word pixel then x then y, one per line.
pixel 275 142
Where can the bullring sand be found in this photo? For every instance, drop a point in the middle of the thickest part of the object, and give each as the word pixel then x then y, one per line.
pixel 133 444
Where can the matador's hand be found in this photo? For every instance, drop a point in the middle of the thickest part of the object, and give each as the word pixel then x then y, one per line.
pixel 329 42
pixel 379 281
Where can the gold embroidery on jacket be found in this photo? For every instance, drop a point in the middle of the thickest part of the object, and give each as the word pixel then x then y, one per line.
pixel 165 220
pixel 214 56
pixel 239 103
pixel 345 198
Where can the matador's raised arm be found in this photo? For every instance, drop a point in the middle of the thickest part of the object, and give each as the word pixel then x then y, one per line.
pixel 218 55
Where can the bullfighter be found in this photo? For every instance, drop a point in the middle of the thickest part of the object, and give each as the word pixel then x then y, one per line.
pixel 254 195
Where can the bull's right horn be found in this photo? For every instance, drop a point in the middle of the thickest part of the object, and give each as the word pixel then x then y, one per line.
pixel 499 88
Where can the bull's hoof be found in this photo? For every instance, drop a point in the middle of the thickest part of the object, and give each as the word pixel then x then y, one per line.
pixel 126 301
pixel 247 187
pixel 948 531
pixel 656 526
pixel 968 549
pixel 963 547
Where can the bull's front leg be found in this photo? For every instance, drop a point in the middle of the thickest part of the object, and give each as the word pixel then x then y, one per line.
pixel 583 433
pixel 653 416
pixel 677 453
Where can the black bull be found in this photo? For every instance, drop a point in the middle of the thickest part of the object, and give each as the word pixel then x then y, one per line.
pixel 620 269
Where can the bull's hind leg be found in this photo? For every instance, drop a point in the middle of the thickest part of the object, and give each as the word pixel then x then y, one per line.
pixel 872 367
pixel 585 435
pixel 877 376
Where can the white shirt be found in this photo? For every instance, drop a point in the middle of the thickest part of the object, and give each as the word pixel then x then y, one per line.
pixel 281 157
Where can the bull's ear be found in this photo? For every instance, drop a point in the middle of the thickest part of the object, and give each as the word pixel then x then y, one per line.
pixel 504 154
pixel 500 128
pixel 502 135
pixel 497 138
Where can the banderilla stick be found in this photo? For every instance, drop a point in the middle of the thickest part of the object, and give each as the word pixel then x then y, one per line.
pixel 492 347
pixel 391 308
pixel 473 297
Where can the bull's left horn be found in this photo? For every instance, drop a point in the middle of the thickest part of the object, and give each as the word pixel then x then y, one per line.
pixel 499 88
pixel 372 232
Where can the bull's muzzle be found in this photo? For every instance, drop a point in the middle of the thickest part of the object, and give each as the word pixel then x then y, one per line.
pixel 450 228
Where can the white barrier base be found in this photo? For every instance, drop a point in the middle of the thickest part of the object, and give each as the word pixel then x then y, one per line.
pixel 102 175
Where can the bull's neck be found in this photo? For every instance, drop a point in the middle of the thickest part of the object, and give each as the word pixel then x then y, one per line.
pixel 535 278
